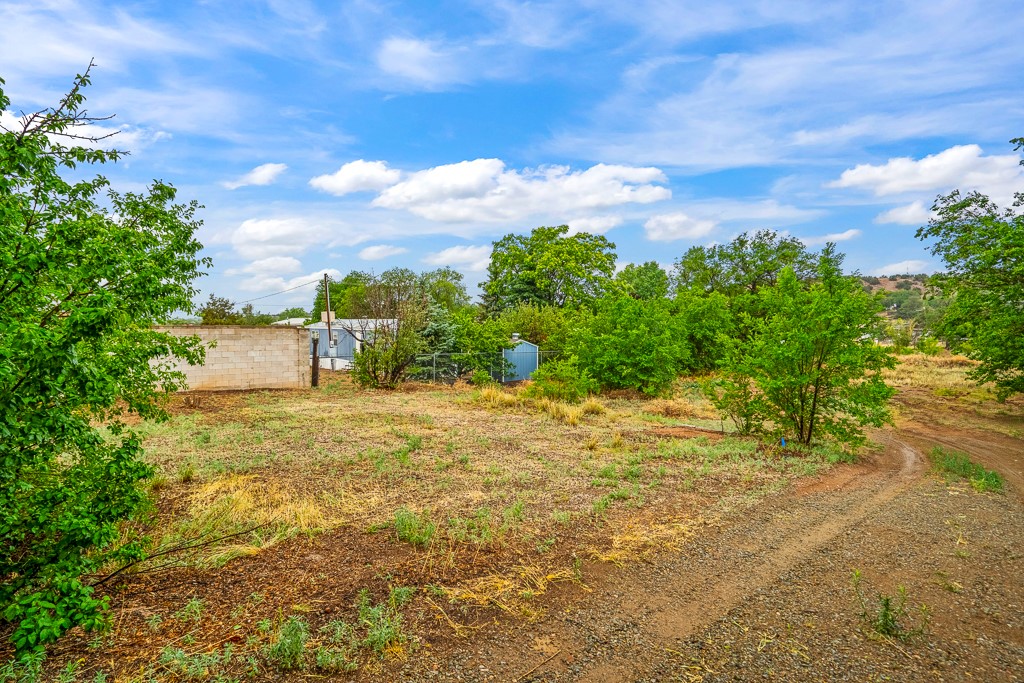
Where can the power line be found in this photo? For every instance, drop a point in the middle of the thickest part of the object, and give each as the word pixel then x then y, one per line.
pixel 267 296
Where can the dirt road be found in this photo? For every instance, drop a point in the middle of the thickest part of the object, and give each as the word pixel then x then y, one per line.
pixel 768 596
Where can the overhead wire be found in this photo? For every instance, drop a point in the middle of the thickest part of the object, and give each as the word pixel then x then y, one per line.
pixel 267 296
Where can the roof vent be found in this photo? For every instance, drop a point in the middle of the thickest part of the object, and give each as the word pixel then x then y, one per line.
pixel 515 336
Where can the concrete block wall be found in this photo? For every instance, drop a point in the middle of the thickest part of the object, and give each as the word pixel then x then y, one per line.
pixel 247 357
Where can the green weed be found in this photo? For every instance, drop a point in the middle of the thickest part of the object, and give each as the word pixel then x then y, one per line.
pixel 887 617
pixel 289 648
pixel 413 528
pixel 954 464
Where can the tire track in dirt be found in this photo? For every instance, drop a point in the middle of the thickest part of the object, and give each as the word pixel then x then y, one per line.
pixel 755 554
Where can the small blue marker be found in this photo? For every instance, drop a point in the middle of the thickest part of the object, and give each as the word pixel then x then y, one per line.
pixel 783 442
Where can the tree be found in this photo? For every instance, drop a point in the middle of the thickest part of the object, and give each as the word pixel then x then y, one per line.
pixel 389 324
pixel 219 310
pixel 632 344
pixel 982 247
pixel 293 312
pixel 647 281
pixel 810 365
pixel 548 267
pixel 745 265
pixel 85 273
pixel 445 287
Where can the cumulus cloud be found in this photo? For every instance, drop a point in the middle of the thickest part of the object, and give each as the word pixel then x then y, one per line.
pixel 423 63
pixel 260 238
pixel 273 265
pixel 264 174
pixel 474 258
pixel 962 166
pixel 831 237
pixel 676 226
pixel 483 190
pixel 915 213
pixel 377 252
pixel 910 266
pixel 357 176
pixel 595 225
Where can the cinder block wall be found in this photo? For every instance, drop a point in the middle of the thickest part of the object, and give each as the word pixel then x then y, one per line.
pixel 247 357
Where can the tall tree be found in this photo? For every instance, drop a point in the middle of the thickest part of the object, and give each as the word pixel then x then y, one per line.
pixel 85 273
pixel 219 310
pixel 744 265
pixel 647 281
pixel 810 365
pixel 982 247
pixel 548 267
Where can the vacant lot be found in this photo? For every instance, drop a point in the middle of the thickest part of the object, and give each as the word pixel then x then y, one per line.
pixel 471 535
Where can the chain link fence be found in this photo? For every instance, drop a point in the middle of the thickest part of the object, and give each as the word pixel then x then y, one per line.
pixel 448 368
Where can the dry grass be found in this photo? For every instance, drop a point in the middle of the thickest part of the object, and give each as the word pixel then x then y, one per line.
pixel 637 540
pixel 566 413
pixel 512 591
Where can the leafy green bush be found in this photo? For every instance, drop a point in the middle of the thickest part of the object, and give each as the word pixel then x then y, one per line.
pixel 481 378
pixel 561 380
pixel 632 344
pixel 929 346
pixel 85 274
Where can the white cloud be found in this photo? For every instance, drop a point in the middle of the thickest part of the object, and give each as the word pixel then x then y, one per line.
pixel 377 252
pixel 423 63
pixel 59 38
pixel 676 226
pixel 962 166
pixel 915 213
pixel 831 237
pixel 461 257
pixel 790 100
pixel 260 238
pixel 595 225
pixel 911 266
pixel 484 191
pixel 264 174
pixel 357 176
pixel 274 265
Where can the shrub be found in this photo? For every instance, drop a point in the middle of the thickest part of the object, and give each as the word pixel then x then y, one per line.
pixel 929 346
pixel 561 380
pixel 481 378
pixel 632 344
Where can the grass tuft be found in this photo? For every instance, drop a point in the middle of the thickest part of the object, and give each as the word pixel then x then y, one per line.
pixel 955 464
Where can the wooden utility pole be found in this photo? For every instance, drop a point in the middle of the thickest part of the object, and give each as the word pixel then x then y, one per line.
pixel 327 300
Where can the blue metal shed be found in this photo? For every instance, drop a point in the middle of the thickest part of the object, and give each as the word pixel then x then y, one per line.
pixel 523 358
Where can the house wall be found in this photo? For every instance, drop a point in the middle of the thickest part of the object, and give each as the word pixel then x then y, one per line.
pixel 248 357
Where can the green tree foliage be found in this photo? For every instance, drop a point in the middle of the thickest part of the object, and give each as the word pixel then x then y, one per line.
pixel 548 267
pixel 705 319
pixel 746 265
pixel 810 365
pixel 982 247
pixel 294 312
pixel 647 281
pixel 389 322
pixel 219 310
pixel 632 344
pixel 84 274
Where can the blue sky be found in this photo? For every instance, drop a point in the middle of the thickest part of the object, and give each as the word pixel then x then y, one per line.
pixel 367 135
